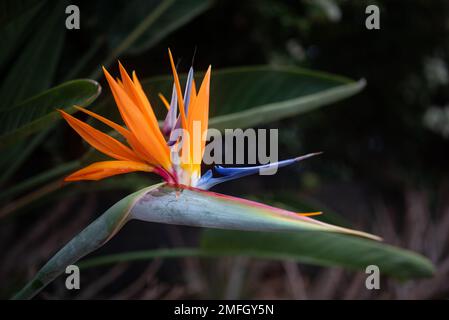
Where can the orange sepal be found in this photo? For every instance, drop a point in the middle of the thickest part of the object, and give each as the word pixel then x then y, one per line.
pixel 99 140
pixel 199 112
pixel 104 169
pixel 310 214
pixel 156 152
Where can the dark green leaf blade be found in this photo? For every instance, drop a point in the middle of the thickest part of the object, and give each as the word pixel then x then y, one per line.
pixel 319 248
pixel 38 112
pixel 177 15
pixel 250 96
pixel 34 66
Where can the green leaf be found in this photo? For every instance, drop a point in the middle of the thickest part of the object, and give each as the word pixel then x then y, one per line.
pixel 15 32
pixel 178 14
pixel 175 205
pixel 35 64
pixel 35 40
pixel 271 112
pixel 40 111
pixel 141 25
pixel 142 255
pixel 39 179
pixel 319 248
pixel 15 155
pixel 251 96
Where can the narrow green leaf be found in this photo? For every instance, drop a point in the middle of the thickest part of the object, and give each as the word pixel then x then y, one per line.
pixel 280 110
pixel 39 179
pixel 310 248
pixel 35 37
pixel 15 32
pixel 35 64
pixel 249 96
pixel 16 154
pixel 141 256
pixel 136 31
pixel 38 112
pixel 177 15
pixel 319 248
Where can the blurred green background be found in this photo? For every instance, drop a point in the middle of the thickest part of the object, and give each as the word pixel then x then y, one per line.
pixel 384 166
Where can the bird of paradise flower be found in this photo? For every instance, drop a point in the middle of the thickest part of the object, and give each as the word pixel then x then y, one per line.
pixel 183 197
pixel 150 148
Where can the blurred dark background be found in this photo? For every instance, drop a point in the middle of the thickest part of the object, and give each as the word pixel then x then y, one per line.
pixel 385 150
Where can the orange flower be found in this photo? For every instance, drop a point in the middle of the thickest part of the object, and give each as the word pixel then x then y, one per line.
pixel 147 148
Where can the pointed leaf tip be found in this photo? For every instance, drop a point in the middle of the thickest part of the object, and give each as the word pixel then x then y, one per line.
pixel 195 207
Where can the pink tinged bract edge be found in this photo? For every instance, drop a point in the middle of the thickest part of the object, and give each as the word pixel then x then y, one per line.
pixel 185 205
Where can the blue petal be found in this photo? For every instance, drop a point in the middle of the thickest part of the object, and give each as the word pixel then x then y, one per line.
pixel 205 178
pixel 230 173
